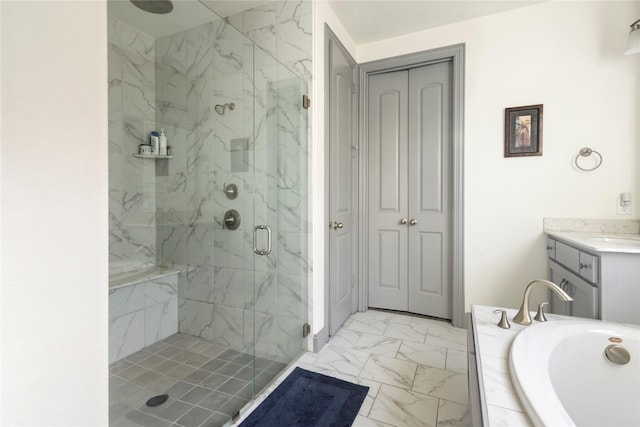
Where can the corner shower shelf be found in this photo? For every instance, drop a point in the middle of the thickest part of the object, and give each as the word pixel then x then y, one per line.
pixel 152 156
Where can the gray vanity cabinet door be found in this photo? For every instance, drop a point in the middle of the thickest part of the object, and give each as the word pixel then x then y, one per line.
pixel 557 276
pixel 585 297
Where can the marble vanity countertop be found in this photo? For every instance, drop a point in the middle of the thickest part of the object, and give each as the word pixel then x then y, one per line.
pixel 492 351
pixel 600 242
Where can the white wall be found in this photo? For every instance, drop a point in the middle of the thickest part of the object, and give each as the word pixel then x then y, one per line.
pixel 54 213
pixel 567 56
pixel 322 14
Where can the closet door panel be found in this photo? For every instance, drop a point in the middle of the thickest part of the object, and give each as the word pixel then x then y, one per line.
pixel 429 184
pixel 388 246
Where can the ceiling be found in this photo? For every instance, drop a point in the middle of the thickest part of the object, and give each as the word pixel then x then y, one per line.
pixel 185 14
pixel 372 20
pixel 365 20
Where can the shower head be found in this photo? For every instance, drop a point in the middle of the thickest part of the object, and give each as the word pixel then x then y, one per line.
pixel 154 6
pixel 220 108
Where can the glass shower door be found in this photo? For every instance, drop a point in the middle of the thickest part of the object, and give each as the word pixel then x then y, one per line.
pixel 280 234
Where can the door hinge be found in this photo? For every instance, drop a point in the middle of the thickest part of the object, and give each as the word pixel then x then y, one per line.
pixel 235 417
pixel 353 88
pixel 306 330
pixel 306 102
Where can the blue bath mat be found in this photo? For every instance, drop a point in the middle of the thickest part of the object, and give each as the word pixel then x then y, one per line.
pixel 309 399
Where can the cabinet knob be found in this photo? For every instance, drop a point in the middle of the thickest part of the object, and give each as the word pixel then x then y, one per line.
pixel 403 221
pixel 585 266
pixel 413 222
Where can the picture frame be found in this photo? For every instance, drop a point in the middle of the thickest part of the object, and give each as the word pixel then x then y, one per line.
pixel 523 131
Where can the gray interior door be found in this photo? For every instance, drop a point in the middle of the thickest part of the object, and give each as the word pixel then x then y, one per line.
pixel 343 228
pixel 409 128
pixel 388 196
pixel 429 190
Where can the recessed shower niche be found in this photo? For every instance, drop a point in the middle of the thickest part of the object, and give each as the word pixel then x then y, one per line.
pixel 245 305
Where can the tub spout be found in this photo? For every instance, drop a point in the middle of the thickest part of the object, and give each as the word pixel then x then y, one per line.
pixel 523 317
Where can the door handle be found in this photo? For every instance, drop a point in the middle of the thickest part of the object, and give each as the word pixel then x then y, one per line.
pixel 413 222
pixel 337 225
pixel 255 238
pixel 403 221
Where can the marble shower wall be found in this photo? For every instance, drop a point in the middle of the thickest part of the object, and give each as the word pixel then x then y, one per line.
pixel 283 28
pixel 132 115
pixel 259 147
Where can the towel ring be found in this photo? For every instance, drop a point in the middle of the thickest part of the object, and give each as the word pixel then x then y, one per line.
pixel 586 152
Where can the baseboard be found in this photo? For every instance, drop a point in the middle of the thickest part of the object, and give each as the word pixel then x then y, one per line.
pixel 320 339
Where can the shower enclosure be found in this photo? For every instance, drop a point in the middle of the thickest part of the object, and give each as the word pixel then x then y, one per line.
pixel 227 207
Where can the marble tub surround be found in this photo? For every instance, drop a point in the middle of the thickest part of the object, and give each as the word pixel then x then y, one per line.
pixel 415 379
pixel 143 309
pixel 492 354
pixel 602 226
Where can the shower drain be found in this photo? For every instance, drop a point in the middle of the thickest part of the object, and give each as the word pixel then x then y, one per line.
pixel 157 400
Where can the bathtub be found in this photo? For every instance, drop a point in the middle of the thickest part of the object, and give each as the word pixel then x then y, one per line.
pixel 563 378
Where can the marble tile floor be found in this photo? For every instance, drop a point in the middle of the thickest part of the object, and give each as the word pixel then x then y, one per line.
pixel 207 383
pixel 415 368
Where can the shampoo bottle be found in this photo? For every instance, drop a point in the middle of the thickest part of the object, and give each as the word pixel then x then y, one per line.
pixel 163 143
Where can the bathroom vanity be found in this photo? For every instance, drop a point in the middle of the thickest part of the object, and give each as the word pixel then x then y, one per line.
pixel 601 272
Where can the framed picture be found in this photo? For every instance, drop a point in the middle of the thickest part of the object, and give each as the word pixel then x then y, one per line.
pixel 523 131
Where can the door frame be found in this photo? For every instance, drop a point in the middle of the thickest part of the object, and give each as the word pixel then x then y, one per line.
pixel 454 53
pixel 332 39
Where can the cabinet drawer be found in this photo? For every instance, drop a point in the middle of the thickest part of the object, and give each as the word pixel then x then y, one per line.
pixel 568 256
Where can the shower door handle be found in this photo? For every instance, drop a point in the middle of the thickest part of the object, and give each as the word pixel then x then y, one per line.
pixel 255 240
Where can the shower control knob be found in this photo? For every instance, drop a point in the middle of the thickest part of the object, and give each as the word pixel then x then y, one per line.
pixel 231 220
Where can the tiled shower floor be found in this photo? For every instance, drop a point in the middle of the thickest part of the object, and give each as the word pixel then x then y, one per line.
pixel 206 383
